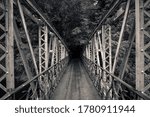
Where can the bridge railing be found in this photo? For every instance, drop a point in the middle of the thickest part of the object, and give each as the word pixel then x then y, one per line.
pixel 109 89
pixel 119 48
pixel 42 90
pixel 31 50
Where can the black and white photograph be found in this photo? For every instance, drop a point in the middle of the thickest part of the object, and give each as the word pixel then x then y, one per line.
pixel 75 50
pixel 74 58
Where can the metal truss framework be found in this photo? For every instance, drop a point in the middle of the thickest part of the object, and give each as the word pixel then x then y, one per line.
pixel 51 52
pixel 100 49
pixel 111 81
pixel 107 72
pixel 6 47
pixel 142 45
pixel 42 74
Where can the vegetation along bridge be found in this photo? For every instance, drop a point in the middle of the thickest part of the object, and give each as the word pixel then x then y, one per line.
pixel 37 63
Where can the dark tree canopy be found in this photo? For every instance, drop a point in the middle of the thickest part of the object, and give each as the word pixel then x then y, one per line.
pixel 74 19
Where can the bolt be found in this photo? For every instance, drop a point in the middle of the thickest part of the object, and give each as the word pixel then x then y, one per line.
pixel 142 50
pixel 142 71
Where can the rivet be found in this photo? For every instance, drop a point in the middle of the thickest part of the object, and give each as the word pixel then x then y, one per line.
pixel 142 50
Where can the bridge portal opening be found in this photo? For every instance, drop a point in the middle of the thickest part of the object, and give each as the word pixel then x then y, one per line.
pixel 76 53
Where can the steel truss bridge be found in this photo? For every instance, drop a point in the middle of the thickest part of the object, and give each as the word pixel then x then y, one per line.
pixel 100 60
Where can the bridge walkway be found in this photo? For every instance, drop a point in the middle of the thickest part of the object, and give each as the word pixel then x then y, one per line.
pixel 75 84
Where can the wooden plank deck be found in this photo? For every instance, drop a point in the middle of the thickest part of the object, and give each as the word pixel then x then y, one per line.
pixel 75 84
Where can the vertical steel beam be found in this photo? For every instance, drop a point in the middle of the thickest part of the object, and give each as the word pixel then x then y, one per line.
pixel 142 45
pixel 43 59
pixel 139 46
pixel 100 50
pixel 50 47
pixel 62 52
pixel 87 47
pixel 53 51
pixel 146 24
pixel 56 52
pixel 3 45
pixel 93 50
pixel 107 59
pixel 106 43
pixel 43 48
pixel 100 46
pixel 104 51
pixel 10 48
pixel 110 51
pixel 96 49
pixel 86 52
pixel 90 49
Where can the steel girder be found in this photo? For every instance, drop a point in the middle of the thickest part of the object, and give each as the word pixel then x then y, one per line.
pixel 119 67
pixel 43 64
pixel 100 54
pixel 6 47
pixel 142 45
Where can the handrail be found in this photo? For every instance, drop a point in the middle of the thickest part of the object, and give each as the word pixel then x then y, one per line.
pixel 142 95
pixel 7 95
